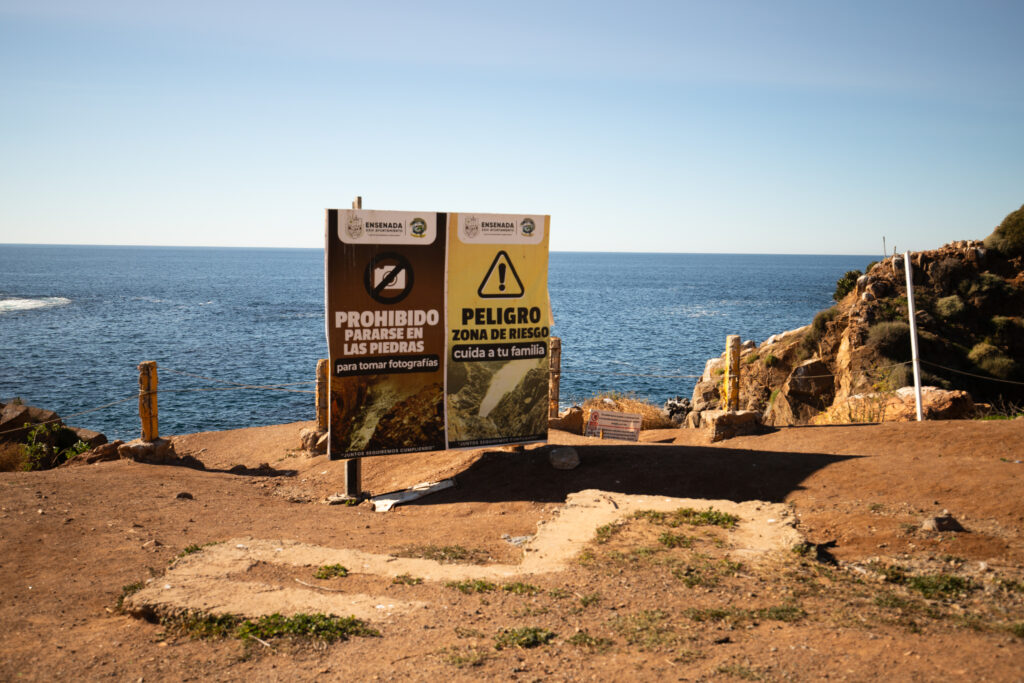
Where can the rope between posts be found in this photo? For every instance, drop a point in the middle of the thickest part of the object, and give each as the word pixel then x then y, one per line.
pixel 971 374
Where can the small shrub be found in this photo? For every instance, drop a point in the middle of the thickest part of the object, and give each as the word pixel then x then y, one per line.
pixel 407 580
pixel 584 639
pixel 947 273
pixel 670 540
pixel 949 307
pixel 604 533
pixel 993 361
pixel 130 589
pixel 1009 236
pixel 817 330
pixel 472 586
pixel 938 585
pixel 40 450
pixel 770 361
pixel 329 571
pixel 891 339
pixel 520 588
pixel 314 626
pixel 590 599
pixel 445 554
pixel 461 658
pixel 845 284
pixel 525 637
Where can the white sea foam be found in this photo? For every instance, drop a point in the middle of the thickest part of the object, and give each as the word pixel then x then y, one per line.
pixel 13 305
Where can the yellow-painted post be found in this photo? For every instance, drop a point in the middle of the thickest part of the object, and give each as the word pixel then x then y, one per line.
pixel 554 376
pixel 147 400
pixel 321 395
pixel 732 372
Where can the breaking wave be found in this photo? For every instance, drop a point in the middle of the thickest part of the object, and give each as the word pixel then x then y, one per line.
pixel 14 305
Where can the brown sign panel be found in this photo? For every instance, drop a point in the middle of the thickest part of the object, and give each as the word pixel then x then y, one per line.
pixel 385 275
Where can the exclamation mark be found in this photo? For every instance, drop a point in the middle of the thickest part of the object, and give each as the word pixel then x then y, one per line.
pixel 501 277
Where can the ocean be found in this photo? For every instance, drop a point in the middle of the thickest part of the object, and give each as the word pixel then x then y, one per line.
pixel 75 321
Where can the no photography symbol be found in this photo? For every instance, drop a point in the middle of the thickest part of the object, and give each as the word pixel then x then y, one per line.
pixel 388 277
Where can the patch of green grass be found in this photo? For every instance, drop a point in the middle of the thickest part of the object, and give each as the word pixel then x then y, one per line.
pixel 523 638
pixel 938 585
pixel 1017 629
pixel 670 540
pixel 519 588
pixel 604 533
pixel 462 658
pixel 445 554
pixel 407 580
pixel 709 517
pixel 802 549
pixel 584 639
pixel 326 628
pixel 130 589
pixel 740 671
pixel 931 586
pixel 560 593
pixel 647 628
pixel 786 613
pixel 472 586
pixel 193 548
pixel 704 571
pixel 201 625
pixel 590 599
pixel 770 361
pixel 329 571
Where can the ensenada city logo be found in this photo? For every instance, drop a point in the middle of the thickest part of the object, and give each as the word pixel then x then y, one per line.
pixel 354 227
pixel 418 227
pixel 527 226
pixel 472 226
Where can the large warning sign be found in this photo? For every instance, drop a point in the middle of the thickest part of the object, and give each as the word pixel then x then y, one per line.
pixel 437 329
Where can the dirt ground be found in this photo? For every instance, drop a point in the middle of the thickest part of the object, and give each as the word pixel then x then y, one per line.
pixel 628 590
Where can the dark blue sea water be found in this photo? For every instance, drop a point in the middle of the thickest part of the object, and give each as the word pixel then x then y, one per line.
pixel 75 321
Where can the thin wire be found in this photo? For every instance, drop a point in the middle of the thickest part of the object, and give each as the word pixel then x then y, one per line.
pixel 68 417
pixel 238 384
pixel 971 374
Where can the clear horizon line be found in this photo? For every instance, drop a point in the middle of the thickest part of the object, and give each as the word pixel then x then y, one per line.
pixel 554 251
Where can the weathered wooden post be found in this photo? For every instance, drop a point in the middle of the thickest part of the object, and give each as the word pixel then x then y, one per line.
pixel 732 372
pixel 147 400
pixel 554 376
pixel 354 466
pixel 322 403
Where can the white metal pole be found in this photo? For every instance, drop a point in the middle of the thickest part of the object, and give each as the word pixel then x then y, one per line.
pixel 913 334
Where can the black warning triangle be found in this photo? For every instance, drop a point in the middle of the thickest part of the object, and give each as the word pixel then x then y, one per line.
pixel 502 281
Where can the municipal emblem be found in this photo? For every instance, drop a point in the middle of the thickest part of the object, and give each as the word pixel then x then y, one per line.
pixel 472 226
pixel 354 227
pixel 527 226
pixel 418 227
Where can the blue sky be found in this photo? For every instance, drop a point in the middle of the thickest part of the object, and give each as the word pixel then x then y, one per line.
pixel 761 127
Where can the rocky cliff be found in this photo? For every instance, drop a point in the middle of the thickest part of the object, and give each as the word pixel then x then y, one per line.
pixel 850 362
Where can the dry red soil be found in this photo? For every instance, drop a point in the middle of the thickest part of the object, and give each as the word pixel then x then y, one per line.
pixel 641 600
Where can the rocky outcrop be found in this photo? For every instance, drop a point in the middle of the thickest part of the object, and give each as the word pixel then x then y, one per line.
pixel 971 334
pixel 524 410
pixel 898 406
pixel 808 390
pixel 570 420
pixel 726 424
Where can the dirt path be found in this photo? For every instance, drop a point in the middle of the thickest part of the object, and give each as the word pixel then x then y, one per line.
pixel 703 607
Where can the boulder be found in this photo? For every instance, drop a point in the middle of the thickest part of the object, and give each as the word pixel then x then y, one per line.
pixel 942 522
pixel 14 417
pixel 88 436
pixel 725 424
pixel 899 406
pixel 564 458
pixel 101 453
pixel 693 419
pixel 156 452
pixel 808 390
pixel 705 395
pixel 322 443
pixel 308 436
pixel 676 409
pixel 571 420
